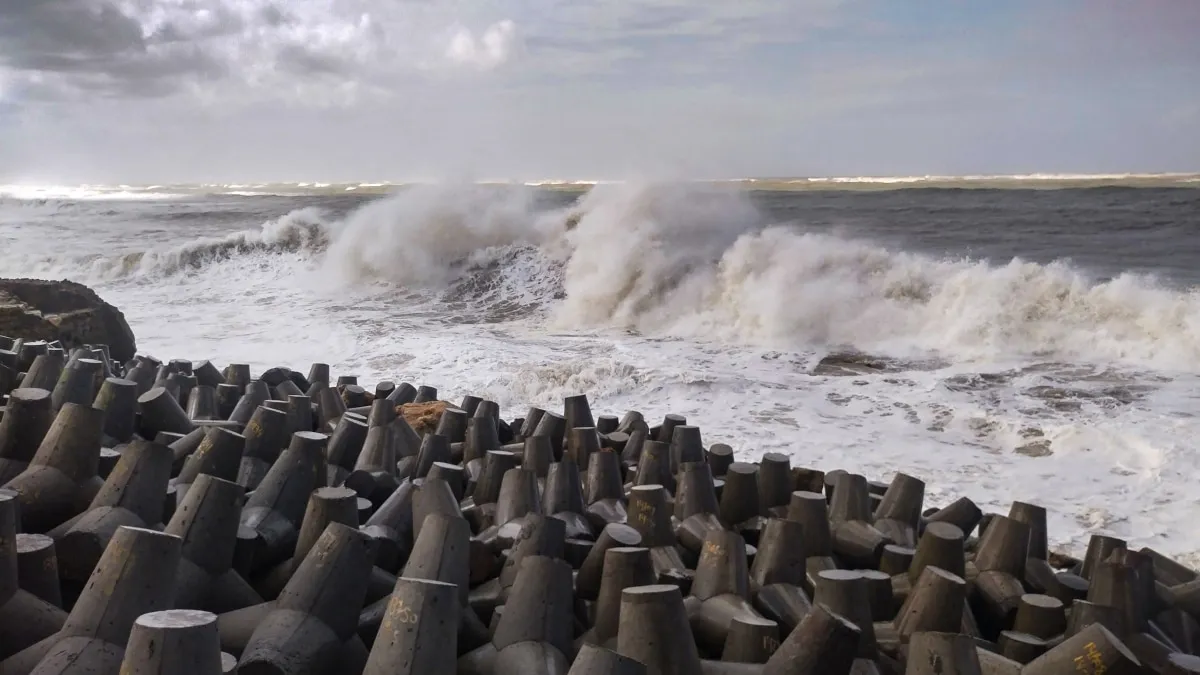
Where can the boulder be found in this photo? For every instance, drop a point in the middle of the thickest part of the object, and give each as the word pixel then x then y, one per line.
pixel 71 313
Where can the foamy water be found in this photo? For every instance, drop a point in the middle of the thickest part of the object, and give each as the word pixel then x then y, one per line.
pixel 1008 379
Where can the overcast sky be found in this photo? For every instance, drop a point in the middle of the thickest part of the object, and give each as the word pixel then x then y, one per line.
pixel 360 90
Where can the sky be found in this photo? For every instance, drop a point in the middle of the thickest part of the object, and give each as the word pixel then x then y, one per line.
pixel 159 91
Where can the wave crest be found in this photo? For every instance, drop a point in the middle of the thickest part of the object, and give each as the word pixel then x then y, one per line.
pixel 702 261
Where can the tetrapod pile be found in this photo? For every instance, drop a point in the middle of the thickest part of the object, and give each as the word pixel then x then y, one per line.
pixel 171 517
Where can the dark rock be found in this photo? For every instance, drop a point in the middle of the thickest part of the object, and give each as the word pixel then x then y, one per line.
pixel 71 313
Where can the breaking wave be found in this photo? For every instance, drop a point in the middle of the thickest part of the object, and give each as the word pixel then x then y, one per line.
pixel 702 261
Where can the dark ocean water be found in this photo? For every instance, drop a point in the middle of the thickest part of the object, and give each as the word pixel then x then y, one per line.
pixel 1106 230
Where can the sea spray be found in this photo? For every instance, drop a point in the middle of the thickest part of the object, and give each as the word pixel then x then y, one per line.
pixel 686 261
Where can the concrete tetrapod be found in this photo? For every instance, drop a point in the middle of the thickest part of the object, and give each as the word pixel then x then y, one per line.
pixel 577 412
pixel 554 427
pixel 454 475
pixel 940 545
pixel 845 592
pixel 141 374
pixel 25 619
pixel 61 480
pixel 823 644
pixel 751 639
pixel 722 585
pixel 654 466
pixel 518 498
pixel 276 509
pixel 935 605
pixel 202 404
pixel 374 475
pixel 962 512
pixel 739 497
pixel 453 425
pixel 418 634
pixel 582 443
pixel 441 553
pixel 593 660
pixel 624 567
pixel 255 394
pixel 591 572
pixel 135 576
pixel 345 445
pixel 434 448
pixel 266 435
pixel 37 567
pixel 496 464
pixel 219 455
pixel 432 495
pixel 403 394
pixel 899 512
pixel 325 505
pixel 208 374
pixel 654 630
pixel 207 523
pixel 26 421
pixel 45 370
pixel 774 480
pixel 942 654
pixel 780 557
pixel 539 607
pixel 317 612
pixel 300 414
pixel 778 576
pixel 118 399
pixel 392 527
pixel 695 491
pixel 563 498
pixel 1093 650
pixel 131 496
pixel 8 376
pixel 605 489
pixel 160 411
pixel 77 384
pixel 173 642
pixel 720 457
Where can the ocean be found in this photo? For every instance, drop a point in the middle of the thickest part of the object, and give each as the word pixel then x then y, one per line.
pixel 1029 338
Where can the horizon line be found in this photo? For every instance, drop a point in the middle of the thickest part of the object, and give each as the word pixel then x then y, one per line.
pixel 34 191
pixel 1035 175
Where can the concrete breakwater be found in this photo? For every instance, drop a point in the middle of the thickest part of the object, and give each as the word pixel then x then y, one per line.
pixel 180 517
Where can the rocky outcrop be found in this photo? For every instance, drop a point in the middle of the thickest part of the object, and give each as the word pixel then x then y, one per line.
pixel 71 313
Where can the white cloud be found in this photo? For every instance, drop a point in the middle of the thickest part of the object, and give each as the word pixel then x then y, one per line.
pixel 491 49
pixel 317 50
pixel 235 50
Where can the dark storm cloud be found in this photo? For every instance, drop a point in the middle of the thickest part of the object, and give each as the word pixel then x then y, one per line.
pixel 65 34
pixel 84 47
